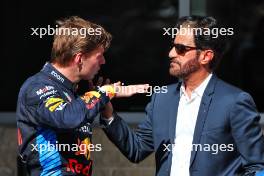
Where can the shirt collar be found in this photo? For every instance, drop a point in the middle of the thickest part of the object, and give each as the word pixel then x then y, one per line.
pixel 200 89
pixel 55 75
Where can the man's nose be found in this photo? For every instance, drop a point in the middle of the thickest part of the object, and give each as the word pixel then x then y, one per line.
pixel 172 53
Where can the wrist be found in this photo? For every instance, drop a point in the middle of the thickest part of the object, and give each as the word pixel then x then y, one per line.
pixel 107 115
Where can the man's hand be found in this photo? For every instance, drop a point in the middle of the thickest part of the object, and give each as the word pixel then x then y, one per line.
pixel 99 83
pixel 108 111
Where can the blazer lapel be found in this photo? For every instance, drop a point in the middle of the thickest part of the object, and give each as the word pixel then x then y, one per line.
pixel 174 102
pixel 202 114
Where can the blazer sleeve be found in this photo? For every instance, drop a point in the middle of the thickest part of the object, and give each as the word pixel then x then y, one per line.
pixel 136 144
pixel 247 133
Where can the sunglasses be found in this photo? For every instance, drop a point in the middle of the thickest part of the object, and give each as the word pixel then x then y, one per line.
pixel 182 49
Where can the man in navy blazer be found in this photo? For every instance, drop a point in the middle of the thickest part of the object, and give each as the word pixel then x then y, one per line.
pixel 202 126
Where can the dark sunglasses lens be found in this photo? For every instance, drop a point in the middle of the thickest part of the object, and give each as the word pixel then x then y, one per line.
pixel 181 49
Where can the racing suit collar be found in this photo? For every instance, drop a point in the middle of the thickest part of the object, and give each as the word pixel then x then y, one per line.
pixel 54 74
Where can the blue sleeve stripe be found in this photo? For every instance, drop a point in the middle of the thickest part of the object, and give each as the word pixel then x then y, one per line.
pixel 50 160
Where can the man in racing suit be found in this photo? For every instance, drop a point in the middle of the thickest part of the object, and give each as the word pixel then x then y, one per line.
pixel 50 114
pixel 54 123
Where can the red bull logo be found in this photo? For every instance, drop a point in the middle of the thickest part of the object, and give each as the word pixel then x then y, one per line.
pixel 84 148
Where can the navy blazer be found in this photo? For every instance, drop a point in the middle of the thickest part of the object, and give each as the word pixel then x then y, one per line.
pixel 227 117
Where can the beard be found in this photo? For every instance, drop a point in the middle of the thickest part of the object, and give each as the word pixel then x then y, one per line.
pixel 184 70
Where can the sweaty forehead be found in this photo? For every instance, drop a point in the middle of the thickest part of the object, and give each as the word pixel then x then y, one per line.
pixel 185 36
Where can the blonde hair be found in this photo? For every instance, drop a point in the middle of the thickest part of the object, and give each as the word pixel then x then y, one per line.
pixel 76 35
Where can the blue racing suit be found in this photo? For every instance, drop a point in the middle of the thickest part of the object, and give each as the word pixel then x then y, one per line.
pixel 54 124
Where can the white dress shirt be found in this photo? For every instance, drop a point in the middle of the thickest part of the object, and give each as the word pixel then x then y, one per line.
pixel 186 119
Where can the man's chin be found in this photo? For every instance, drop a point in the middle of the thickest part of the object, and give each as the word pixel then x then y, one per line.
pixel 174 73
pixel 179 75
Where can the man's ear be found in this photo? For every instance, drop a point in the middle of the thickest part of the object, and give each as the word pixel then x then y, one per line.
pixel 77 59
pixel 206 56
